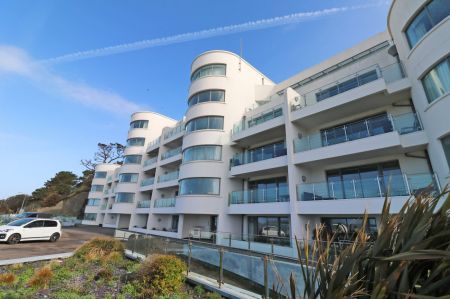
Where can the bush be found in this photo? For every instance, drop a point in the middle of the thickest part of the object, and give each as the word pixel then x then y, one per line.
pixel 8 278
pixel 213 296
pixel 104 249
pixel 104 274
pixel 161 275
pixel 41 278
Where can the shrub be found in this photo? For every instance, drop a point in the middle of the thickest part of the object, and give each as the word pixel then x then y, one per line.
pixel 100 249
pixel 213 296
pixel 41 278
pixel 8 278
pixel 199 290
pixel 161 275
pixel 104 273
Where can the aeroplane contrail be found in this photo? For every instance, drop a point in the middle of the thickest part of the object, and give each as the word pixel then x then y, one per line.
pixel 208 33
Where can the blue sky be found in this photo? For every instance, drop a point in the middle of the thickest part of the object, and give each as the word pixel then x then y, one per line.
pixel 53 114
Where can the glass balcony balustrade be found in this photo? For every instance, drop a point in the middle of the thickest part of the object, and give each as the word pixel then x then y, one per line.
pixel 257 119
pixel 174 131
pixel 390 73
pixel 154 143
pixel 254 196
pixel 143 204
pixel 168 177
pixel 150 161
pixel 171 153
pixel 147 182
pixel 379 186
pixel 165 202
pixel 262 153
pixel 403 124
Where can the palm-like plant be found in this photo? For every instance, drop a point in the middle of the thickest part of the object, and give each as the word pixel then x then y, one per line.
pixel 410 258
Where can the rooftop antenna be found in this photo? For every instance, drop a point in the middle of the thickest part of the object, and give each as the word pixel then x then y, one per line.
pixel 240 55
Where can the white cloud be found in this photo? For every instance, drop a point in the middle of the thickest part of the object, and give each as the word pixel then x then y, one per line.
pixel 213 32
pixel 16 61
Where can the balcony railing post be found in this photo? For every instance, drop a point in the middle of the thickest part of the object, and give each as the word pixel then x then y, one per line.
pixel 408 189
pixel 314 192
pixel 367 127
pixel 345 132
pixel 436 179
pixel 332 189
pixel 266 277
pixel 354 188
pixel 220 281
pixel 379 186
pixel 189 257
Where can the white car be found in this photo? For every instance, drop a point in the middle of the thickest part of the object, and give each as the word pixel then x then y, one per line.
pixel 30 229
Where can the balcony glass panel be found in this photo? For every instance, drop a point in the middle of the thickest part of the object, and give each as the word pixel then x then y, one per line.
pixel 173 131
pixel 148 182
pixel 381 124
pixel 165 202
pixel 203 153
pixel 138 141
pixel 128 177
pixel 150 161
pixel 171 153
pixel 269 151
pixel 124 197
pixel 266 195
pixel 390 73
pixel 257 119
pixel 379 186
pixel 144 204
pixel 168 177
pixel 132 159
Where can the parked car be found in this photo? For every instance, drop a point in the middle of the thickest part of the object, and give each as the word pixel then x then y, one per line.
pixel 30 229
pixel 33 215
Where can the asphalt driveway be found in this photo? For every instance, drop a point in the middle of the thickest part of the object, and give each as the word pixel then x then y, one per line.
pixel 71 239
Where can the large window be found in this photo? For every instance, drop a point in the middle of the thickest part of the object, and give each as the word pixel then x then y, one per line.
pixel 269 230
pixel 209 70
pixel 138 141
pixel 93 201
pixel 367 180
pixel 206 186
pixel 446 145
pixel 97 188
pixel 269 190
pixel 100 175
pixel 132 159
pixel 124 197
pixel 205 123
pixel 434 12
pixel 90 216
pixel 128 177
pixel 346 229
pixel 139 124
pixel 207 96
pixel 437 82
pixel 202 152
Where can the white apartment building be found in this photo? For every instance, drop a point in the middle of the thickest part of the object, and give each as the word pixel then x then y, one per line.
pixel 253 162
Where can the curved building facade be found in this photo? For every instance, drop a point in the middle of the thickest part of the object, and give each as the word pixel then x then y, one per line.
pixel 253 163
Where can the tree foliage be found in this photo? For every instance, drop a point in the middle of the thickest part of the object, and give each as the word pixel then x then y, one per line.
pixel 106 153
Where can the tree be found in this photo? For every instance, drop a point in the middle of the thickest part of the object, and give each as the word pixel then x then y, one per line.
pixel 106 153
pixel 62 184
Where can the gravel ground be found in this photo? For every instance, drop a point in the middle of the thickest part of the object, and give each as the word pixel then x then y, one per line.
pixel 71 239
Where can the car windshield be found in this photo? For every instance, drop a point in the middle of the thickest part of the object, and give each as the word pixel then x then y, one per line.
pixel 20 222
pixel 23 215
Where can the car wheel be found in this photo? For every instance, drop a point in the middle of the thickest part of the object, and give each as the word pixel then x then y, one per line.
pixel 14 239
pixel 54 237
